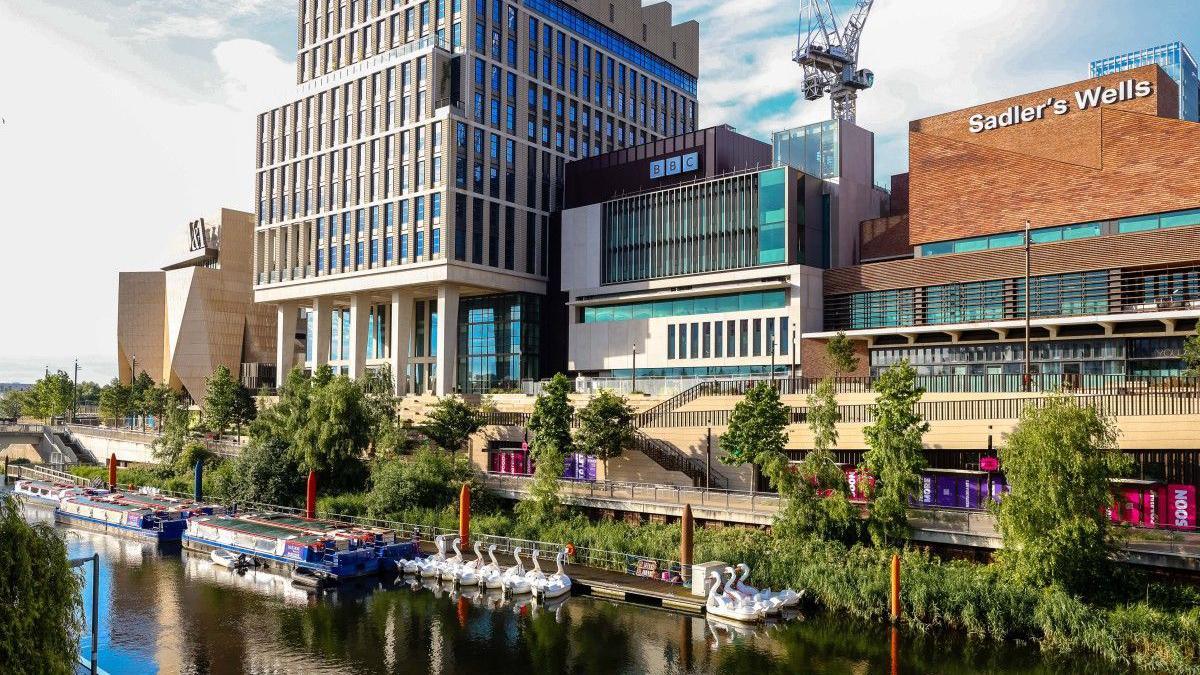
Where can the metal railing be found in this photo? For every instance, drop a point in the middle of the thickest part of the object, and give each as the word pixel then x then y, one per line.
pixel 1117 405
pixel 678 495
pixel 615 561
pixel 222 447
pixel 29 471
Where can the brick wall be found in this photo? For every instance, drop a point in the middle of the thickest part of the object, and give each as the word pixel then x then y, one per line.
pixel 883 238
pixel 1112 161
pixel 815 362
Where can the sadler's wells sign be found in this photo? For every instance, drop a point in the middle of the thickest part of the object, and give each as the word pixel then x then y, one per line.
pixel 1083 99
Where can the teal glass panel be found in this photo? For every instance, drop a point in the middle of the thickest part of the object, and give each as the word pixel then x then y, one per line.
pixel 643 310
pixel 1139 224
pixel 1180 219
pixel 939 248
pixel 1046 236
pixel 773 299
pixel 662 309
pixel 604 314
pixel 704 305
pixel 622 313
pixel 589 314
pixel 772 216
pixel 728 303
pixel 1006 240
pixel 1081 231
pixel 681 307
pixel 751 301
pixel 972 244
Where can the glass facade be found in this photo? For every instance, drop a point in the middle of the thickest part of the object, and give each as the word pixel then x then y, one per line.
pixel 723 224
pixel 713 304
pixel 813 149
pixel 1134 357
pixel 1175 59
pixel 1045 235
pixel 498 339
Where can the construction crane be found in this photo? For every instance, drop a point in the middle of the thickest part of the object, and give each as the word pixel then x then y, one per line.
pixel 829 55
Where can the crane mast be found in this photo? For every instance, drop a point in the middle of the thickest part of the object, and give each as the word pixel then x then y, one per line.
pixel 829 55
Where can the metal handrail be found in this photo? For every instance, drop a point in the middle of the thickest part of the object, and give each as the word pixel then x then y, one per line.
pixel 678 495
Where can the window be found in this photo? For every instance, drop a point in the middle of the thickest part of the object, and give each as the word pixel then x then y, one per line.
pixel 435 241
pixel 670 341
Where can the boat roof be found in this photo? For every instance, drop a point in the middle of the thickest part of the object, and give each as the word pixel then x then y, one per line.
pixel 157 500
pixel 305 525
pixel 106 503
pixel 257 529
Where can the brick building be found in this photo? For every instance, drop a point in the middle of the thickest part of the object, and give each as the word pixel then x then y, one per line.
pixel 1106 178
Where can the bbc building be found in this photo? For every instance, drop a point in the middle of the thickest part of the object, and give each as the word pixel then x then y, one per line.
pixel 404 197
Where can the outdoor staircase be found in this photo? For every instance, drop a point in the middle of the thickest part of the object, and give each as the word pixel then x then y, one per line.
pixel 670 458
pixel 651 416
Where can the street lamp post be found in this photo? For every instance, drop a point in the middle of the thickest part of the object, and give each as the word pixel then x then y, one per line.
pixel 75 393
pixel 95 560
pixel 634 370
pixel 771 348
pixel 793 353
pixel 1028 375
pixel 708 458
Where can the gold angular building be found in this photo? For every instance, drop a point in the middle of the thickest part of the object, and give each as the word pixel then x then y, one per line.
pixel 180 323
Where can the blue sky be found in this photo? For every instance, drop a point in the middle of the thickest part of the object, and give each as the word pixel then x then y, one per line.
pixel 125 119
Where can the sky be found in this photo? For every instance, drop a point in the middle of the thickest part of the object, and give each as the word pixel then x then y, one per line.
pixel 123 120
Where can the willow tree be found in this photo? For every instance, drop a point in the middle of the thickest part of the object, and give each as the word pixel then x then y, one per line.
pixel 894 455
pixel 1058 462
pixel 820 505
pixel 43 612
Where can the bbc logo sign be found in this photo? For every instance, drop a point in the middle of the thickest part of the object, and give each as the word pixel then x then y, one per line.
pixel 674 165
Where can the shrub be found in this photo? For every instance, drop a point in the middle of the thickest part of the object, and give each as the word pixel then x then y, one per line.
pixel 429 479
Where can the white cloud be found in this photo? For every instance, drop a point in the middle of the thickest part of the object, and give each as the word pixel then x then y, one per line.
pixel 100 162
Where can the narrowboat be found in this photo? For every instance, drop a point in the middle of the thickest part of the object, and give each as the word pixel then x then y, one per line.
pixel 49 493
pixel 112 513
pixel 334 550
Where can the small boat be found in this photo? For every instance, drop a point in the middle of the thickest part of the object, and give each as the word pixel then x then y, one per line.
pixel 514 577
pixel 309 577
pixel 786 598
pixel 227 559
pixel 728 608
pixel 557 584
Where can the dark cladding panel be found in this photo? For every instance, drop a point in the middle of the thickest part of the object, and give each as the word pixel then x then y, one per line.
pixel 659 164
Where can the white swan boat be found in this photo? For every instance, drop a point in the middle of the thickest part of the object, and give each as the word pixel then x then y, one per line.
pixel 728 608
pixel 490 575
pixel 432 566
pixel 514 580
pixel 787 597
pixel 536 577
pixel 464 573
pixel 557 584
pixel 448 571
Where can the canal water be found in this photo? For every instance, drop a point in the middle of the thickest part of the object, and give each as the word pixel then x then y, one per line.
pixel 173 611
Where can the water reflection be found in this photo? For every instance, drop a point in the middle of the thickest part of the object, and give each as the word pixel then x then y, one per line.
pixel 177 612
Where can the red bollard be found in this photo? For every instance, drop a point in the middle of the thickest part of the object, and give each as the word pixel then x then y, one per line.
pixel 310 502
pixel 464 514
pixel 112 472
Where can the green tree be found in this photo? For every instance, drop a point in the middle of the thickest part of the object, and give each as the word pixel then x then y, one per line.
pixel 450 423
pixel 115 404
pixel 220 400
pixel 42 617
pixel 266 473
pixel 88 393
pixel 840 350
pixel 278 424
pixel 174 430
pixel 756 436
pixel 244 408
pixel 1058 462
pixel 12 404
pixel 50 397
pixel 821 503
pixel 389 435
pixel 1191 355
pixel 606 427
pixel 429 479
pixel 894 455
pixel 550 427
pixel 140 392
pixel 334 438
pixel 157 400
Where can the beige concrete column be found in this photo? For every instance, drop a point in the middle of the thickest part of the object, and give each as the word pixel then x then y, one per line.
pixel 360 308
pixel 401 339
pixel 321 334
pixel 285 340
pixel 447 339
